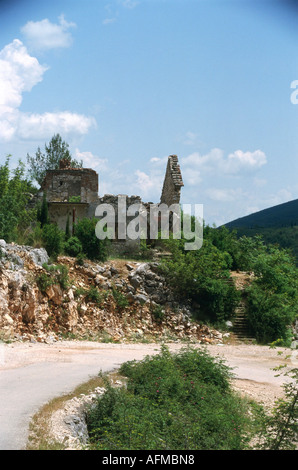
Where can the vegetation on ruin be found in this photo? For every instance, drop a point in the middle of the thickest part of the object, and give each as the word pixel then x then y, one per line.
pixel 54 152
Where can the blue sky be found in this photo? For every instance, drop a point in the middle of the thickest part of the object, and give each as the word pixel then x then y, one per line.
pixel 128 82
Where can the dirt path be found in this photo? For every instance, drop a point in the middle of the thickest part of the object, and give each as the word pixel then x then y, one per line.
pixel 33 374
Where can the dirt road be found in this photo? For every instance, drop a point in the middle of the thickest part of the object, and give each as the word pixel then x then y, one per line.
pixel 33 374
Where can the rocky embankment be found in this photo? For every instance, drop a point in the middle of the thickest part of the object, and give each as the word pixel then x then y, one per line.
pixel 113 301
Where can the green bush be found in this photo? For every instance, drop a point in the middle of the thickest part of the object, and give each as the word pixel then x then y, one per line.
pixel 273 296
pixel 93 295
pixel 279 429
pixel 202 276
pixel 73 247
pixel 55 274
pixel 158 313
pixel 53 240
pixel 120 298
pixel 80 259
pixel 44 281
pixel 93 248
pixel 172 402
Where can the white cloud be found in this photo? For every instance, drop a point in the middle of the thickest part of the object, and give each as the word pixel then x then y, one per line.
pixel 157 161
pixel 43 35
pixel 149 185
pixel 279 197
pixel 19 73
pixel 204 162
pixel 45 125
pixel 192 176
pixel 92 161
pixel 215 163
pixel 144 182
pixel 244 161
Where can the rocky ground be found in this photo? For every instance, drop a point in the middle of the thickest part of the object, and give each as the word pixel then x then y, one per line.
pixel 115 301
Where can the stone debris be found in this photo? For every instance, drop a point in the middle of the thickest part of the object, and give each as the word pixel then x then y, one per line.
pixel 68 424
pixel 115 301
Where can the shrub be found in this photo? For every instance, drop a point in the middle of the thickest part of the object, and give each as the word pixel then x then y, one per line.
pixel 273 296
pixel 44 281
pixel 279 429
pixel 80 259
pixel 73 247
pixel 120 299
pixel 15 193
pixel 158 313
pixel 202 276
pixel 93 248
pixel 55 274
pixel 53 239
pixel 172 402
pixel 34 236
pixel 93 295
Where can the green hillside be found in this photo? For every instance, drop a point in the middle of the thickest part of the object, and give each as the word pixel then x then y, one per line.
pixel 277 225
pixel 282 215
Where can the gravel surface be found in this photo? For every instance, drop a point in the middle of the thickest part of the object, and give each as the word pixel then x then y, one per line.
pixel 33 374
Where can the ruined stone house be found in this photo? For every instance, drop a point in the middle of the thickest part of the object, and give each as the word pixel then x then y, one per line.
pixel 73 193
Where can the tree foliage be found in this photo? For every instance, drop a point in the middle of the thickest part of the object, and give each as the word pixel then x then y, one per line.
pixel 55 151
pixel 203 276
pixel 53 240
pixel 92 247
pixel 15 193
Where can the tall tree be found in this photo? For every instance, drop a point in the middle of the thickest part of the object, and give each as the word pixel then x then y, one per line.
pixel 44 218
pixel 15 193
pixel 56 150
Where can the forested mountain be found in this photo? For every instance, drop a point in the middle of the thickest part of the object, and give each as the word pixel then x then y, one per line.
pixel 277 225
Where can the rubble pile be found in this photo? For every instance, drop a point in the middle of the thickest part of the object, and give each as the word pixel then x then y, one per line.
pixel 116 301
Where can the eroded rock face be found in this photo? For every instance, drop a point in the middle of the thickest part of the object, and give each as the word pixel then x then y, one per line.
pixel 112 301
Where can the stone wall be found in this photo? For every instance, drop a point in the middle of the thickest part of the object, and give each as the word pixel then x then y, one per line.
pixel 70 193
pixel 62 185
pixel 172 183
pixel 60 212
pixel 73 193
pixel 121 245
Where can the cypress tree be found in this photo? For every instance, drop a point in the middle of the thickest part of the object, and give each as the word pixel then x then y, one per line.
pixel 44 217
pixel 67 230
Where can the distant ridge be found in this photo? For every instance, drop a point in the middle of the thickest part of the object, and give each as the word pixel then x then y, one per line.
pixel 282 215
